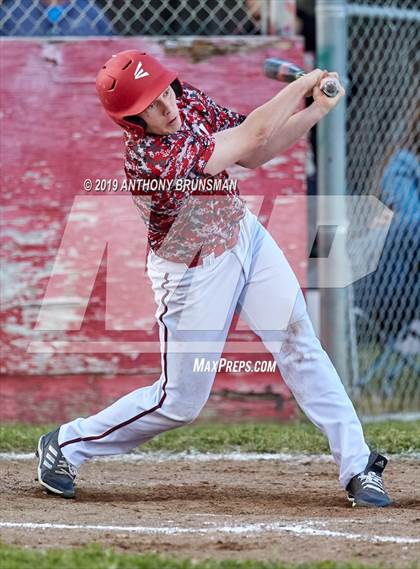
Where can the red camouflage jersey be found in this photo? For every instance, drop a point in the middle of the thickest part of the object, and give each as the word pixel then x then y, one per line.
pixel 183 222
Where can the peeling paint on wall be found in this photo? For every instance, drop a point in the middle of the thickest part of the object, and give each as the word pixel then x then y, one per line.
pixel 64 138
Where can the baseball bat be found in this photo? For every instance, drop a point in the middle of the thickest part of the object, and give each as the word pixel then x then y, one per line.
pixel 286 72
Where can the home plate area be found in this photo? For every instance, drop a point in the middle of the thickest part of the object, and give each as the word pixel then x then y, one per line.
pixel 289 509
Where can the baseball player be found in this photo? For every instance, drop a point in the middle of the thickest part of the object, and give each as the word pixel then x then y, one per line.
pixel 209 257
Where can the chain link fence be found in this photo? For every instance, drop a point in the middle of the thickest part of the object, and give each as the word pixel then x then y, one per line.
pixel 134 17
pixel 383 118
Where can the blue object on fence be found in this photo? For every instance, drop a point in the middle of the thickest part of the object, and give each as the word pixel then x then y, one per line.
pixel 54 13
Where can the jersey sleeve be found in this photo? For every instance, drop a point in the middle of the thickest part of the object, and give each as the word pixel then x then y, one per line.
pixel 221 117
pixel 170 157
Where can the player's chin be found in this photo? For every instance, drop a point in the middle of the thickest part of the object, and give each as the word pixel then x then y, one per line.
pixel 174 126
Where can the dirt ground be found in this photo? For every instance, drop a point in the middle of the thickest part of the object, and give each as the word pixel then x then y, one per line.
pixel 267 510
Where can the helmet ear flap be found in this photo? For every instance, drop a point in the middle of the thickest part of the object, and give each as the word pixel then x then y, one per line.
pixel 135 119
pixel 135 122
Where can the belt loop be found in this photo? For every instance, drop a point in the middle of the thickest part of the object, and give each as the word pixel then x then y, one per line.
pixel 209 260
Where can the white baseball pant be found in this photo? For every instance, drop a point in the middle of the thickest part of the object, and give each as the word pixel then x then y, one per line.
pixel 195 309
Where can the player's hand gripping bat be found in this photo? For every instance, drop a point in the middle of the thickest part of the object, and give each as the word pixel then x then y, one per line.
pixel 287 72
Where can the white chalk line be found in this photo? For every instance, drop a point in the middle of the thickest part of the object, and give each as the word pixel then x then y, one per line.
pixel 209 457
pixel 248 529
pixel 189 456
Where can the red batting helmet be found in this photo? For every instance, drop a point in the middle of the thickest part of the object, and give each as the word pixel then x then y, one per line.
pixel 129 82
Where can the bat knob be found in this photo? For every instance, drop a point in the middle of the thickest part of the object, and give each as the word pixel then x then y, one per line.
pixel 330 89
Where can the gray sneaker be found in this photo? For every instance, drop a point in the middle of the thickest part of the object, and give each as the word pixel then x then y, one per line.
pixel 54 472
pixel 367 488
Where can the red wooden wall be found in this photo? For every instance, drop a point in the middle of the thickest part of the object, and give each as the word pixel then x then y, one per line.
pixel 65 251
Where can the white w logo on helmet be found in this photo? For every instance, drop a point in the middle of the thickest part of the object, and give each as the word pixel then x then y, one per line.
pixel 139 72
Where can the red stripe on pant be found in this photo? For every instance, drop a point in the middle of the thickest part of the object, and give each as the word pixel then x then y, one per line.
pixel 162 399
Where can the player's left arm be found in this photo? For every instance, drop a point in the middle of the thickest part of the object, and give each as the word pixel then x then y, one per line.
pixel 298 125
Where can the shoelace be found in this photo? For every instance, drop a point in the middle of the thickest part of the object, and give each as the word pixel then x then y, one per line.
pixel 372 480
pixel 63 467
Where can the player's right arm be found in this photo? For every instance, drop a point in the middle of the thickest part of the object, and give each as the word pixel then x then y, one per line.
pixel 234 144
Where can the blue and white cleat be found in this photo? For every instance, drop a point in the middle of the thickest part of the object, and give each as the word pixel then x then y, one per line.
pixel 367 488
pixel 54 472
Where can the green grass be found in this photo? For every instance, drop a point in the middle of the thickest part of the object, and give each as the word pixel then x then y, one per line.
pixel 387 436
pixel 95 557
